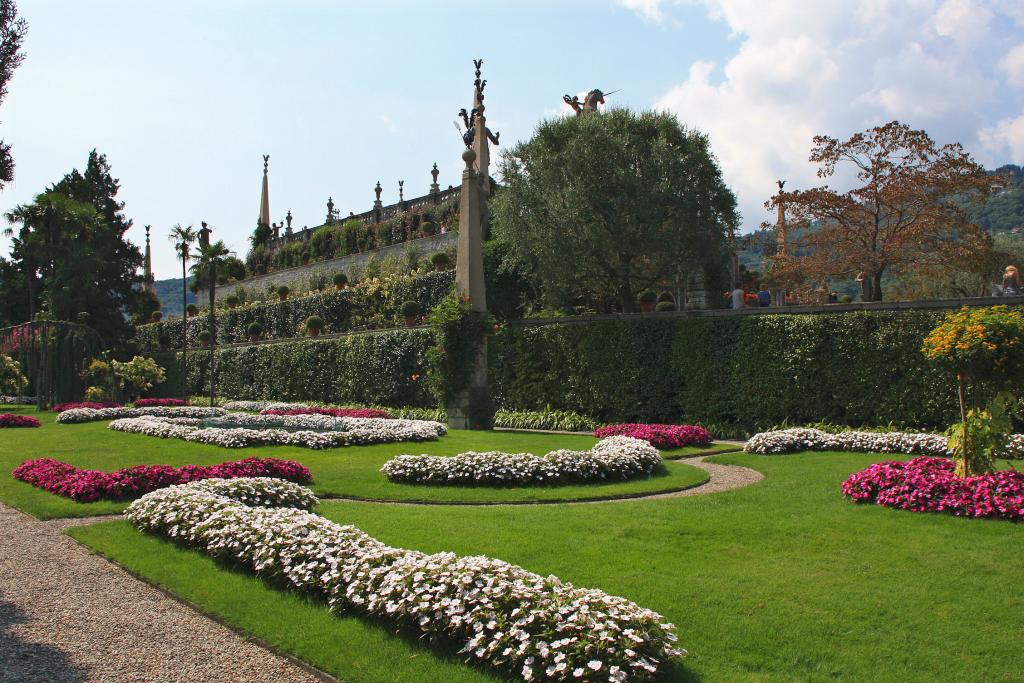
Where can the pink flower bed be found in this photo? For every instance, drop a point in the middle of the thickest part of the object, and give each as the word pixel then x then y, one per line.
pixel 131 482
pixel 158 402
pixel 61 407
pixel 930 485
pixel 334 412
pixel 11 420
pixel 665 437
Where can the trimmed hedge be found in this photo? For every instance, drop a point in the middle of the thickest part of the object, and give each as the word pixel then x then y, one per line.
pixel 730 373
pixel 375 368
pixel 366 306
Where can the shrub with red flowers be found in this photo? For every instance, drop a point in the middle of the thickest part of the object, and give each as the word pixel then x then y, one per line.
pixel 334 412
pixel 664 437
pixel 927 484
pixel 158 402
pixel 61 407
pixel 131 482
pixel 11 420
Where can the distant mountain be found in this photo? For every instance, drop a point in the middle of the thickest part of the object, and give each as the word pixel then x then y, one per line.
pixel 169 292
pixel 1004 210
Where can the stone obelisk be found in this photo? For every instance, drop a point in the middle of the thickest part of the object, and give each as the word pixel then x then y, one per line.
pixel 265 197
pixel 473 407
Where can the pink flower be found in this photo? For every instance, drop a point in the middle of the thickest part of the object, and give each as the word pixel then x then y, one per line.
pixel 158 402
pixel 131 482
pixel 11 420
pixel 664 437
pixel 61 407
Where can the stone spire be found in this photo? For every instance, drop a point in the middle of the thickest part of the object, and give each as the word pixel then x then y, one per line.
pixel 147 272
pixel 265 198
pixel 780 223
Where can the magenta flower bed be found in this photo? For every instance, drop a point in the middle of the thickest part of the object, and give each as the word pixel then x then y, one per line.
pixel 665 437
pixel 11 420
pixel 931 485
pixel 335 412
pixel 158 402
pixel 61 407
pixel 131 482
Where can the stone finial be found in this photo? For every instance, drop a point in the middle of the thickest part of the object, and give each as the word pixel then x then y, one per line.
pixel 330 210
pixel 401 190
pixel 469 156
pixel 434 187
pixel 266 163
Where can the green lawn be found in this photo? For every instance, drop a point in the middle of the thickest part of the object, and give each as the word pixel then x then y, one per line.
pixel 349 472
pixel 783 580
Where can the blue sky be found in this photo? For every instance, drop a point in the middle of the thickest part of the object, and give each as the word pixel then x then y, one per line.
pixel 185 97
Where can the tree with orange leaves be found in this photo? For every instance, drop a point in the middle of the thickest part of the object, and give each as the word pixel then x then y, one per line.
pixel 906 212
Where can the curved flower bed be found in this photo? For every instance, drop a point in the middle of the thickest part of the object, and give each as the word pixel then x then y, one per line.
pixel 158 402
pixel 239 430
pixel 500 614
pixel 17 400
pixel 61 407
pixel 792 440
pixel 617 457
pixel 931 485
pixel 79 415
pixel 11 420
pixel 334 412
pixel 665 437
pixel 131 482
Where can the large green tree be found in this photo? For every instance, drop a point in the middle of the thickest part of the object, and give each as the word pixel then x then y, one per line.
pixel 70 256
pixel 12 35
pixel 609 204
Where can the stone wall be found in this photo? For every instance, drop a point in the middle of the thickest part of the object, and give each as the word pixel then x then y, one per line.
pixel 352 265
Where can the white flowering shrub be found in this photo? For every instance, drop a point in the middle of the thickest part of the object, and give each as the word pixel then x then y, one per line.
pixel 617 457
pixel 791 440
pixel 240 430
pixel 79 415
pixel 17 400
pixel 259 406
pixel 499 614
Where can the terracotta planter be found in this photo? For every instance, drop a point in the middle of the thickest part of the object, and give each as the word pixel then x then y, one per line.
pixel 440 266
pixel 339 287
pixel 313 331
pixel 284 297
pixel 646 306
pixel 254 337
pixel 410 321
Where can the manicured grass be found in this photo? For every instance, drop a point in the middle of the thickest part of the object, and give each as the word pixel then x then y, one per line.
pixel 783 580
pixel 351 471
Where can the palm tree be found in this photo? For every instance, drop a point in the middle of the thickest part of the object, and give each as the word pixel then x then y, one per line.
pixel 210 256
pixel 183 239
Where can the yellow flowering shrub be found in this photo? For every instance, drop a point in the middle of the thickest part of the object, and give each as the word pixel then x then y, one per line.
pixel 983 345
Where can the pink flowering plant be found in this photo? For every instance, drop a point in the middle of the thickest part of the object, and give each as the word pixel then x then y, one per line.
pixel 12 420
pixel 158 402
pixel 131 482
pixel 333 412
pixel 96 405
pixel 664 437
pixel 926 484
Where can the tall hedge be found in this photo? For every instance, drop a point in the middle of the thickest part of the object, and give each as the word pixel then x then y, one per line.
pixel 369 305
pixel 750 372
pixel 379 368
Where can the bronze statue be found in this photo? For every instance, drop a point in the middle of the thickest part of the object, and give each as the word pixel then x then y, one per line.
pixel 377 190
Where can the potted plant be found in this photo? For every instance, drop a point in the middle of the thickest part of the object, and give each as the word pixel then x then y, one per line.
pixel 427 229
pixel 232 301
pixel 191 310
pixel 411 310
pixel 361 243
pixel 647 299
pixel 305 259
pixel 314 324
pixel 664 306
pixel 254 330
pixel 340 280
pixel 440 260
pixel 282 292
pixel 205 337
pixel 156 316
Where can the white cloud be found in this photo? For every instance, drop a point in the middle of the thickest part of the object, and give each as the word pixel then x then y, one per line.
pixel 836 67
pixel 1012 64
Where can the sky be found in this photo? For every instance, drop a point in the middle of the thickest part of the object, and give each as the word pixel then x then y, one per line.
pixel 185 97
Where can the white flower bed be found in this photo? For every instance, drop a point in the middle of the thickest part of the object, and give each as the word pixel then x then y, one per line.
pixel 259 406
pixel 790 440
pixel 502 615
pixel 617 457
pixel 79 415
pixel 17 400
pixel 240 430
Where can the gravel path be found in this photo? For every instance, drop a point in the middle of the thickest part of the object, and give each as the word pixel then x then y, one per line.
pixel 723 478
pixel 67 615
